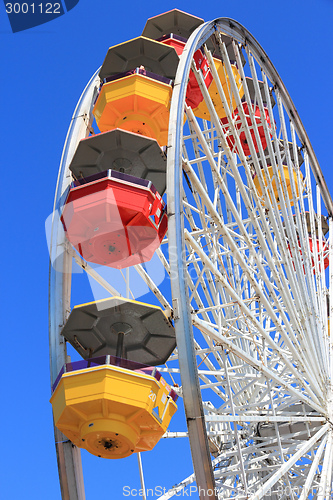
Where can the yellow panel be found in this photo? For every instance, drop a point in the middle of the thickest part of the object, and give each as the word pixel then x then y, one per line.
pixel 117 299
pixel 111 411
pixel 287 179
pixel 202 111
pixel 107 382
pixel 137 104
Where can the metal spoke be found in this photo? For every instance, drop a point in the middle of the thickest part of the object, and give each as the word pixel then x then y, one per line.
pixel 244 281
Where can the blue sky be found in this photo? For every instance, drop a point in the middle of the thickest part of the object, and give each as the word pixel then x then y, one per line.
pixel 43 73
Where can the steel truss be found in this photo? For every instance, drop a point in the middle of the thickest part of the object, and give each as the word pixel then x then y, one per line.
pixel 249 298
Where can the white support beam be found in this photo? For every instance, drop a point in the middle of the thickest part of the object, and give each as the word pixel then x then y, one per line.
pixel 325 486
pixel 264 418
pixel 308 483
pixel 289 464
pixel 255 363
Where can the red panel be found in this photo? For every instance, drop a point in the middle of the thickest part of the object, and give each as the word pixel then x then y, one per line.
pixel 324 247
pixel 114 224
pixel 176 44
pixel 238 124
pixel 193 94
pixel 326 260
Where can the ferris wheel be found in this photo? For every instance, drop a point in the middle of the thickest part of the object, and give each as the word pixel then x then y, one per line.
pixel 197 128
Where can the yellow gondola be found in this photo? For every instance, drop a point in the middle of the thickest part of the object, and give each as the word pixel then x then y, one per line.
pixel 272 180
pixel 112 411
pixel 137 103
pixel 202 111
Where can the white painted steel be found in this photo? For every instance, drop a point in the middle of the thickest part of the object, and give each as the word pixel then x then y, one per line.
pixel 142 480
pixel 286 466
pixel 312 471
pixel 256 294
pixel 248 298
pixel 69 457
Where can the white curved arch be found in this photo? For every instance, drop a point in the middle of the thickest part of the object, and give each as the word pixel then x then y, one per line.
pixel 233 355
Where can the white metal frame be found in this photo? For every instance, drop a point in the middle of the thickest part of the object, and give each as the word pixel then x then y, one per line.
pixel 68 455
pixel 249 299
pixel 291 295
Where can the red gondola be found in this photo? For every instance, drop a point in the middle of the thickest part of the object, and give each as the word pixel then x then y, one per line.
pixel 114 219
pixel 238 125
pixel 316 247
pixel 193 94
